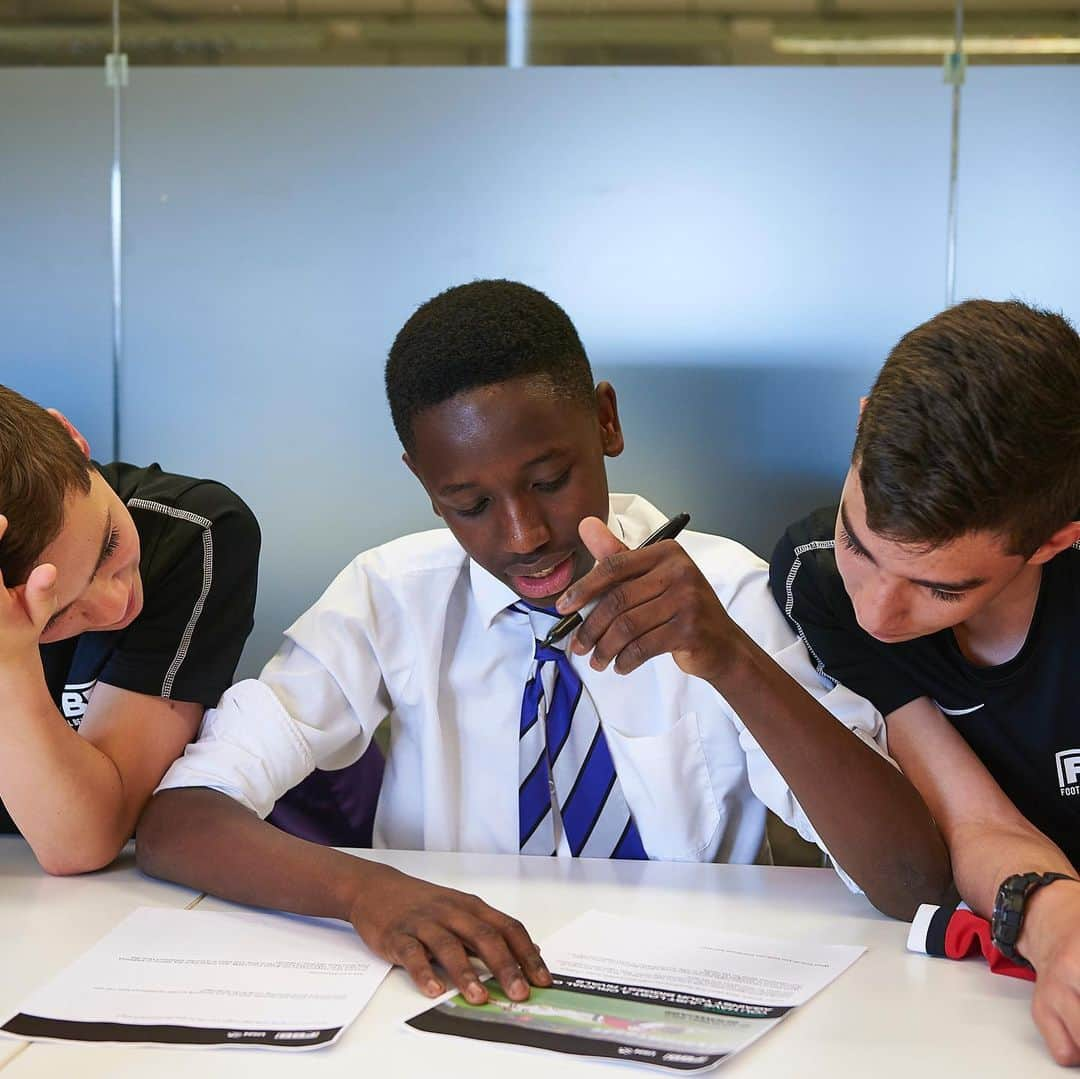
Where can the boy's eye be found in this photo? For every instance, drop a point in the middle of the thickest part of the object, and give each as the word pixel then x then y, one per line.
pixel 947 597
pixel 111 545
pixel 850 544
pixel 474 510
pixel 555 484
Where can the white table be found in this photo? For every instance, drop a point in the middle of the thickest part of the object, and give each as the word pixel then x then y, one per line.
pixel 892 1014
pixel 47 921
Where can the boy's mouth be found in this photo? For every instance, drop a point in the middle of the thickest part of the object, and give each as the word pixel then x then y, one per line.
pixel 549 581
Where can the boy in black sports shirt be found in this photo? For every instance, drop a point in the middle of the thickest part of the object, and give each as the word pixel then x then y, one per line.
pixel 946 589
pixel 126 597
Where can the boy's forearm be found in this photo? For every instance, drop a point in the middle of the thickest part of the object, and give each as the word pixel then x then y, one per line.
pixel 984 855
pixel 873 821
pixel 206 840
pixel 63 793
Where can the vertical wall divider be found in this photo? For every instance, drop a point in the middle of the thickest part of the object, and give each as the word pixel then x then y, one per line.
pixel 517 33
pixel 116 77
pixel 955 70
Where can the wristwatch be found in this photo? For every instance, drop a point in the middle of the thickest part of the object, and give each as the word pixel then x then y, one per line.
pixel 1009 905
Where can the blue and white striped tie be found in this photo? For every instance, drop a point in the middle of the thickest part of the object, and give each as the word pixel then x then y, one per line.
pixel 565 762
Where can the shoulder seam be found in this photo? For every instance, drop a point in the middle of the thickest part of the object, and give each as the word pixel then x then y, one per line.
pixel 208 575
pixel 789 601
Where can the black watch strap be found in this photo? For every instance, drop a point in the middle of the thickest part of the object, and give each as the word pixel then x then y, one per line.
pixel 1009 907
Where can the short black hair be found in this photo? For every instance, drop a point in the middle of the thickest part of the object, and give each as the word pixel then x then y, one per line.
pixel 480 334
pixel 973 425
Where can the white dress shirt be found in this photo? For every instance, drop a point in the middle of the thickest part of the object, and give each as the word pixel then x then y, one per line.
pixel 416 633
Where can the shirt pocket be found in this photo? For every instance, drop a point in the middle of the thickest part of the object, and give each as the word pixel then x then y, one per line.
pixel 665 779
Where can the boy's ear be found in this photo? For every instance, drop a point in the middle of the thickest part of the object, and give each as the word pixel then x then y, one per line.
pixel 1064 537
pixel 72 430
pixel 607 413
pixel 412 468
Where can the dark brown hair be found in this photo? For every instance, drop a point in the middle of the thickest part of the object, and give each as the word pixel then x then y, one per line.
pixel 39 465
pixel 973 425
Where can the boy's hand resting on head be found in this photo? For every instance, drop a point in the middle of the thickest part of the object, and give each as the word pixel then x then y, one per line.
pixel 650 601
pixel 25 609
pixel 415 924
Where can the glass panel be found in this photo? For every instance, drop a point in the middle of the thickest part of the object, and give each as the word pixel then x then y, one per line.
pixel 282 224
pixel 55 295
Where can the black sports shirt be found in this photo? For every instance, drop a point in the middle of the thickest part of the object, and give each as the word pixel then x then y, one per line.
pixel 199 566
pixel 1021 718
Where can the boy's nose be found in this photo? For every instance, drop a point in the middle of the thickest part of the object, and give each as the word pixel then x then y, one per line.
pixel 526 530
pixel 880 610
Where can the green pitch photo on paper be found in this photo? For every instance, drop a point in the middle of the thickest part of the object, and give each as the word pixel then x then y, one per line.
pixel 584 1017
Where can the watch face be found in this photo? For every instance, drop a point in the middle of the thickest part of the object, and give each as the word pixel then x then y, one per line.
pixel 1009 911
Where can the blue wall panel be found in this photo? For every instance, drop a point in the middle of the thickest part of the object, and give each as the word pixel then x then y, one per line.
pixel 55 262
pixel 1019 226
pixel 739 248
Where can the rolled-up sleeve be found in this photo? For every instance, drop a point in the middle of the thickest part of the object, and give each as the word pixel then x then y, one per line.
pixel 316 704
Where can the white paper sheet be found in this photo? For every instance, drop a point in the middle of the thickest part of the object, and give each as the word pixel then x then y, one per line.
pixel 650 992
pixel 191 978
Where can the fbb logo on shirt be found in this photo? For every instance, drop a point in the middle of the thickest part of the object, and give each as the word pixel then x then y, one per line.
pixel 74 699
pixel 1068 770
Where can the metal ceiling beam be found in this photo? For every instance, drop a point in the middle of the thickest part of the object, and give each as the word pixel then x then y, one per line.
pixel 916 34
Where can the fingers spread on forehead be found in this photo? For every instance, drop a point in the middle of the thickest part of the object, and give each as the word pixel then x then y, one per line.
pixel 40 594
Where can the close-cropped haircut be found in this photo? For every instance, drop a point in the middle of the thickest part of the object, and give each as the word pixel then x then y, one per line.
pixel 973 425
pixel 40 465
pixel 477 335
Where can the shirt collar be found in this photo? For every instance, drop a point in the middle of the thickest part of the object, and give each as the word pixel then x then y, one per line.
pixel 492 596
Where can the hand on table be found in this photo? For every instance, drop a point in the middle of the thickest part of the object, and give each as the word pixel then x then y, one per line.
pixel 416 924
pixel 1050 941
pixel 651 601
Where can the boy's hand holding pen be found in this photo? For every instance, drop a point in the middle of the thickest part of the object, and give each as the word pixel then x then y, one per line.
pixel 646 602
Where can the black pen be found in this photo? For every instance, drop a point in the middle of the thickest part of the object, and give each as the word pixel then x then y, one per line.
pixel 668 530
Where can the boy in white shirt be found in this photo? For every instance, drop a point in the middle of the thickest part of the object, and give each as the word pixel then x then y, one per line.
pixel 499 744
